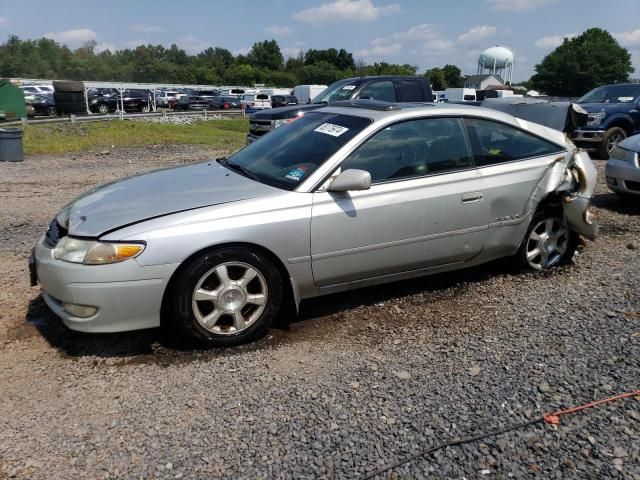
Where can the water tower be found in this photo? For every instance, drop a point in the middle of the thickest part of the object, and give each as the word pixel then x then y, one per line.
pixel 498 61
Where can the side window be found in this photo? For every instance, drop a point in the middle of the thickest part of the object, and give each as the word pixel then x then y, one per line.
pixel 383 90
pixel 495 143
pixel 413 149
pixel 411 91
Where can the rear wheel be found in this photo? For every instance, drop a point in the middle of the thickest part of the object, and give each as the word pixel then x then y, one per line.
pixel 51 111
pixel 548 242
pixel 103 108
pixel 225 297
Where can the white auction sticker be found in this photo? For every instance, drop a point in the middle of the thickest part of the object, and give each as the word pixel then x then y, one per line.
pixel 331 129
pixel 349 87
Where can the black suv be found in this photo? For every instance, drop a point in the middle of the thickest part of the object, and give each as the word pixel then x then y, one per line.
pixel 385 88
pixel 108 100
pixel 278 101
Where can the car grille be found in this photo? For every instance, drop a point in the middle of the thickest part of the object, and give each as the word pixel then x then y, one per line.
pixel 54 233
pixel 632 185
pixel 259 127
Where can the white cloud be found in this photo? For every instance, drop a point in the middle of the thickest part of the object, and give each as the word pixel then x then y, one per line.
pixel 3 22
pixel 516 5
pixel 425 38
pixel 279 31
pixel 73 38
pixel 102 46
pixel 553 41
pixel 344 10
pixel 242 51
pixel 290 51
pixel 629 39
pixel 145 28
pixel 192 44
pixel 477 33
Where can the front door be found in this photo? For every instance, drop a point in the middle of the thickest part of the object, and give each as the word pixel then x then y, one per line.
pixel 425 206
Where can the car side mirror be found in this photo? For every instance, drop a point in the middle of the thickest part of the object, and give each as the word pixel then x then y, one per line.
pixel 352 179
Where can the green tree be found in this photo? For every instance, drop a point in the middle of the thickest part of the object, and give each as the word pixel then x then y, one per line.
pixel 452 76
pixel 266 54
pixel 591 59
pixel 435 76
pixel 340 59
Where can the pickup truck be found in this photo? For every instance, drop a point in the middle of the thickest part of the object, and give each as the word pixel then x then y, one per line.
pixel 614 114
pixel 386 88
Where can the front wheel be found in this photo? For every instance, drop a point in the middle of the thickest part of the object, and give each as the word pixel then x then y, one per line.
pixel 548 242
pixel 225 297
pixel 611 138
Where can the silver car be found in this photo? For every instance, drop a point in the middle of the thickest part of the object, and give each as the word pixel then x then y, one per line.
pixel 623 168
pixel 344 197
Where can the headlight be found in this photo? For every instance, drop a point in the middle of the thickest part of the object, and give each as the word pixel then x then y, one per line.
pixel 596 118
pixel 284 121
pixel 94 100
pixel 90 252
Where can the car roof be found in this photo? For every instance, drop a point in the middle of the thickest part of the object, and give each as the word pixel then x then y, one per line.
pixel 380 111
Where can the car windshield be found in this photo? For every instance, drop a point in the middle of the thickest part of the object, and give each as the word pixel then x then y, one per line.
pixel 340 90
pixel 289 154
pixel 612 94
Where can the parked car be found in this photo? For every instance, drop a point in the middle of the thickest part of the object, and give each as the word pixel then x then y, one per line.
pixel 283 101
pixel 165 98
pixel 256 101
pixel 614 114
pixel 37 89
pixel 42 104
pixel 191 102
pixel 224 103
pixel 355 194
pixel 105 101
pixel 623 168
pixel 385 88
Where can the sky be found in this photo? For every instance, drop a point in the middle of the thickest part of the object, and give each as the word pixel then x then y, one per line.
pixel 424 33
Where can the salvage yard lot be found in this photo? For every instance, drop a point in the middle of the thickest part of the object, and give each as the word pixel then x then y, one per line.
pixel 360 380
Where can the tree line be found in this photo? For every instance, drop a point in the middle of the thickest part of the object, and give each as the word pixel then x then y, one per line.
pixel 581 63
pixel 264 63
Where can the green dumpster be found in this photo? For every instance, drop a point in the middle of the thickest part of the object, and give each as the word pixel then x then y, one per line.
pixel 12 104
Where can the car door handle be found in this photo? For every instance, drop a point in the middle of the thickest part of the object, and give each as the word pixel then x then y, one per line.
pixel 471 197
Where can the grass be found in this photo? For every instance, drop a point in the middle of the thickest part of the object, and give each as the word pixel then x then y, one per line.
pixel 63 138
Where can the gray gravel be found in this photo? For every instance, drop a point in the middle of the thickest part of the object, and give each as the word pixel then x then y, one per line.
pixel 360 380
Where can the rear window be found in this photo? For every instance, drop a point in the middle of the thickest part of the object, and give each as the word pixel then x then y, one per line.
pixel 262 96
pixel 411 91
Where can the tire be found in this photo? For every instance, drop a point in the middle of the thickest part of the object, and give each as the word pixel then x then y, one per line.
pixel 226 106
pixel 611 138
pixel 51 111
pixel 214 321
pixel 145 108
pixel 71 107
pixel 551 251
pixel 68 86
pixel 64 97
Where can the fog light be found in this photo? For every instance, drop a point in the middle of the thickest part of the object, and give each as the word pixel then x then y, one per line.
pixel 612 181
pixel 82 311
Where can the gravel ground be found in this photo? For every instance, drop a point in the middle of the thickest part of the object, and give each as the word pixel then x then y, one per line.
pixel 188 119
pixel 360 380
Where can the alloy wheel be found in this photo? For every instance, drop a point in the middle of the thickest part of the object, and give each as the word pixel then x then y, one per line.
pixel 229 298
pixel 547 243
pixel 614 139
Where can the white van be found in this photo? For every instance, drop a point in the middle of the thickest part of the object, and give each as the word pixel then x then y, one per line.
pixel 459 95
pixel 256 101
pixel 306 93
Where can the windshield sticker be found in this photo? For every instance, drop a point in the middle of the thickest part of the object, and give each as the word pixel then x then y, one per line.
pixel 296 174
pixel 625 99
pixel 349 87
pixel 331 129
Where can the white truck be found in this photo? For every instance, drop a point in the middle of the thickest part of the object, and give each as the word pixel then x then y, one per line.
pixel 306 93
pixel 459 95
pixel 256 101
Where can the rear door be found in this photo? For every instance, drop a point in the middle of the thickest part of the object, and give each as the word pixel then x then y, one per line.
pixel 513 163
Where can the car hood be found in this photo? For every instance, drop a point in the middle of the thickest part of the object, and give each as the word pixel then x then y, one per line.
pixel 609 108
pixel 631 143
pixel 285 112
pixel 155 194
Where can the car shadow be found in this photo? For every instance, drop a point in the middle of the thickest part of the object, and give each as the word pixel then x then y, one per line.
pixel 616 203
pixel 155 346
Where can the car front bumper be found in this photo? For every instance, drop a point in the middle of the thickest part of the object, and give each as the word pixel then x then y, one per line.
pixel 587 136
pixel 622 177
pixel 126 295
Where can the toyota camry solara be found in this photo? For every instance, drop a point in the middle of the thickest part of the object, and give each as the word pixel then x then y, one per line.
pixel 344 197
